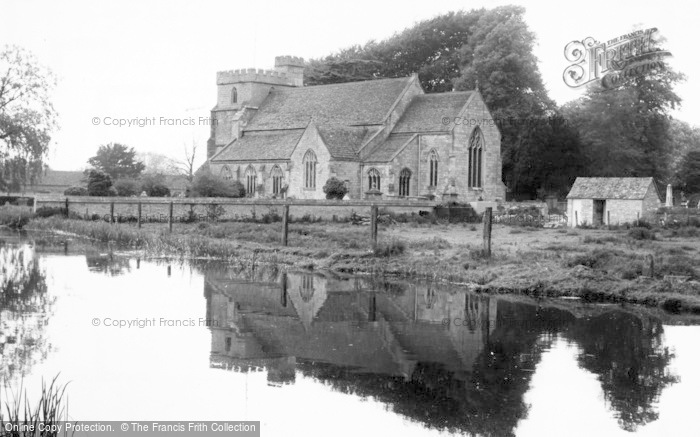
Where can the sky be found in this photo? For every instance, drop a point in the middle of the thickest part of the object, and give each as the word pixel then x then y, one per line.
pixel 158 59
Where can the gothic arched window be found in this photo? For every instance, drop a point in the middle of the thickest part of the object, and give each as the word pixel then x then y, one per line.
pixel 476 147
pixel 226 173
pixel 375 182
pixel 404 182
pixel 433 173
pixel 234 95
pixel 310 169
pixel 250 180
pixel 277 180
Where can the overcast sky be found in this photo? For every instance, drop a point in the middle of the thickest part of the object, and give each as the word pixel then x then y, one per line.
pixel 130 59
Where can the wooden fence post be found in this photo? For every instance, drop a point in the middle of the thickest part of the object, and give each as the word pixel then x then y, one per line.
pixel 66 207
pixel 170 218
pixel 285 224
pixel 373 225
pixel 138 218
pixel 608 218
pixel 648 268
pixel 487 231
pixel 576 215
pixel 111 212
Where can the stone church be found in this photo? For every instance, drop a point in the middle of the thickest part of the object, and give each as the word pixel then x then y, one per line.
pixel 383 138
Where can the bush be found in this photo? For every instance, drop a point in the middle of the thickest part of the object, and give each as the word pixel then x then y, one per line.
pixel 127 187
pixel 392 248
pixel 641 234
pixel 335 189
pixel 99 184
pixel 158 190
pixel 48 211
pixel 76 191
pixel 208 185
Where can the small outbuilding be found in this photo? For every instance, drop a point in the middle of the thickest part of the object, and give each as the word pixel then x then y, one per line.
pixel 605 201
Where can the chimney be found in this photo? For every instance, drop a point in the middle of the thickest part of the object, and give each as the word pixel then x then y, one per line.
pixel 293 66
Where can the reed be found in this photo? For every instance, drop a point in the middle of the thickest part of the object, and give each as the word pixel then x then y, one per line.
pixel 19 417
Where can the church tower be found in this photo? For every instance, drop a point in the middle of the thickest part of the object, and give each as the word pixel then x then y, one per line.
pixel 240 93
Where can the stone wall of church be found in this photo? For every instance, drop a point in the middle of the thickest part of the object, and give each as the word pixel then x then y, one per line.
pixel 348 172
pixel 478 115
pixel 311 140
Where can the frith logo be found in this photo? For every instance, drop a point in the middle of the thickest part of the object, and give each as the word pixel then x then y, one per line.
pixel 612 62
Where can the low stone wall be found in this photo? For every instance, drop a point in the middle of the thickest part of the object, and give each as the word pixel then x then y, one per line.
pixel 157 209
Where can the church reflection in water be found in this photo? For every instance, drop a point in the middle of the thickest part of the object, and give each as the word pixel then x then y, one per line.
pixel 450 359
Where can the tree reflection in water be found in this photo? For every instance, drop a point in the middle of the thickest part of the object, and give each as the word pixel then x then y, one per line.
pixel 25 309
pixel 627 354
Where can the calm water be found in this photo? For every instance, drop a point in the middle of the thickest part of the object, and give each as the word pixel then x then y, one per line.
pixel 317 355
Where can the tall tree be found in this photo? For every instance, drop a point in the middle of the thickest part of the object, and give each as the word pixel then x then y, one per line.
pixel 689 172
pixel 684 139
pixel 626 130
pixel 118 161
pixel 27 117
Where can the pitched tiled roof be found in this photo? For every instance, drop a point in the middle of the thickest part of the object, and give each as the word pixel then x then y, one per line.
pixel 253 146
pixel 610 188
pixel 353 103
pixel 345 141
pixel 388 148
pixel 426 112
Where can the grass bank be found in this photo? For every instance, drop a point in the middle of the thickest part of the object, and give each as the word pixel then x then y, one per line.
pixel 596 265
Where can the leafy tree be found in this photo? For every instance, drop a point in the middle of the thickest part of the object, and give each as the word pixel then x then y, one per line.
pixel 335 189
pixel 626 131
pixel 99 184
pixel 118 161
pixel 689 173
pixel 684 138
pixel 547 158
pixel 27 117
pixel 207 185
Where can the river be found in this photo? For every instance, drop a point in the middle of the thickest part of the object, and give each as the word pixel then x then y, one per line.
pixel 317 354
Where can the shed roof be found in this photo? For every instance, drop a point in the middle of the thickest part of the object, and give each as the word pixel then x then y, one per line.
pixel 610 188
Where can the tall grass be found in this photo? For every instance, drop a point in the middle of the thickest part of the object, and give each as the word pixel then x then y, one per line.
pixel 19 417
pixel 14 217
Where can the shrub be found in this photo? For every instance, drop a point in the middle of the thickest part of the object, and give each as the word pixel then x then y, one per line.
pixel 208 185
pixel 335 189
pixel 392 248
pixel 99 184
pixel 127 187
pixel 76 191
pixel 48 211
pixel 154 185
pixel 641 234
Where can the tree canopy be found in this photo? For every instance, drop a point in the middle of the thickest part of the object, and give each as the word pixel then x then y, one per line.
pixel 27 117
pixel 118 161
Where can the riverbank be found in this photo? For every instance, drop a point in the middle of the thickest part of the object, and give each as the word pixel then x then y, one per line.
pixel 594 265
